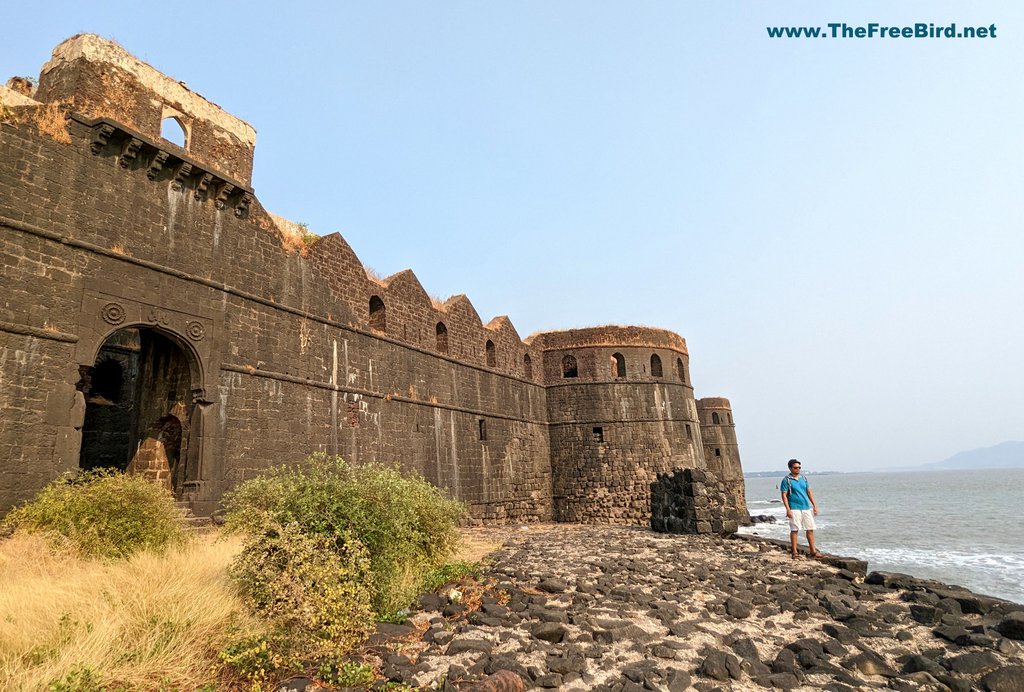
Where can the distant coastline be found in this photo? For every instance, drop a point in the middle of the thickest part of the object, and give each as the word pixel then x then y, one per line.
pixel 1005 455
pixel 782 472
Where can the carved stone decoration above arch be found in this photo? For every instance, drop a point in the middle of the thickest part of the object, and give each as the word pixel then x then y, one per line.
pixel 104 312
pixel 195 330
pixel 113 313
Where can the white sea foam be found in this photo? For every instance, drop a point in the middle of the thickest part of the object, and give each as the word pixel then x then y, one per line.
pixel 985 561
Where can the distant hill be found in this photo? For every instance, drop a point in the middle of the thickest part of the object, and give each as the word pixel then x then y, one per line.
pixel 1005 455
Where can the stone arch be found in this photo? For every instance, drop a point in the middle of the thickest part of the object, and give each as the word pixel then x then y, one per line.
pixel 442 337
pixel 618 365
pixel 196 368
pixel 715 418
pixel 489 352
pixel 680 370
pixel 174 131
pixel 378 314
pixel 527 366
pixel 656 365
pixel 151 425
pixel 569 367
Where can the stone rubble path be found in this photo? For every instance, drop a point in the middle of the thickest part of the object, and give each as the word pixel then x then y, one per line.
pixel 577 607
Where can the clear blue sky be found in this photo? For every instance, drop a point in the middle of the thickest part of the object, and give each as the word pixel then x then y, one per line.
pixel 833 225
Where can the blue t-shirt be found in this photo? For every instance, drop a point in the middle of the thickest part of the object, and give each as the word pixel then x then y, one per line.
pixel 796 490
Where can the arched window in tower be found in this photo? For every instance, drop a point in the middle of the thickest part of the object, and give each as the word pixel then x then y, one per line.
pixel 527 366
pixel 618 365
pixel 569 368
pixel 442 338
pixel 680 370
pixel 378 314
pixel 729 415
pixel 173 131
pixel 655 365
pixel 715 418
pixel 492 358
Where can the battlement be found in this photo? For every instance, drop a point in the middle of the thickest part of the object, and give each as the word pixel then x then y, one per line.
pixel 398 307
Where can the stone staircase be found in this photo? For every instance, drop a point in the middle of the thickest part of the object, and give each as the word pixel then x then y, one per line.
pixel 188 520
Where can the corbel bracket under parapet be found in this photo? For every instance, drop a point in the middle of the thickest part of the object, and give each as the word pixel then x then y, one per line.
pixel 223 192
pixel 157 164
pixel 202 183
pixel 129 151
pixel 242 207
pixel 186 172
pixel 100 136
pixel 181 175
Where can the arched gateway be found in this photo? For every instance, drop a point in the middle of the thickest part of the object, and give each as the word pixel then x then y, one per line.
pixel 140 407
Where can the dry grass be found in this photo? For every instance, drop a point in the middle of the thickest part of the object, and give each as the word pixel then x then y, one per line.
pixel 374 276
pixel 150 622
pixel 295 237
pixel 50 119
pixel 294 243
pixel 474 548
pixel 119 249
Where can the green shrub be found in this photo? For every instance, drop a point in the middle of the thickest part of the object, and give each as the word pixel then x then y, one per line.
pixel 449 572
pixel 102 513
pixel 255 659
pixel 407 526
pixel 80 679
pixel 346 673
pixel 312 590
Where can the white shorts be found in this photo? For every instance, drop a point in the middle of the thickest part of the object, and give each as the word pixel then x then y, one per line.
pixel 802 520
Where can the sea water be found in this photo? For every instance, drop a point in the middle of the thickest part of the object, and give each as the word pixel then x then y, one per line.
pixel 959 527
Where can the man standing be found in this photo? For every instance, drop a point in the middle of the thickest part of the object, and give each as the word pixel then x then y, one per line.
pixel 800 508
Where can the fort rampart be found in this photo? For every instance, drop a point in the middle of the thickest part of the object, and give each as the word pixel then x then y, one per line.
pixel 154 317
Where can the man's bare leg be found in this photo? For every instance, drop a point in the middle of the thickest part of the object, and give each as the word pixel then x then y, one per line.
pixel 810 543
pixel 793 535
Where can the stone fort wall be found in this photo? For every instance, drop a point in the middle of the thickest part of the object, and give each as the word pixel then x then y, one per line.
pixel 263 349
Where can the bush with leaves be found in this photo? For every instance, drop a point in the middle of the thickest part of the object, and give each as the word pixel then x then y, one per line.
pixel 102 513
pixel 407 526
pixel 310 587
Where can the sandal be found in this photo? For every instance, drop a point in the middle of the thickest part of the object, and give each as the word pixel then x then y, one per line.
pixel 797 556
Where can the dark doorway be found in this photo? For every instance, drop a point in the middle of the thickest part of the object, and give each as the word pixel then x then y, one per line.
pixel 139 407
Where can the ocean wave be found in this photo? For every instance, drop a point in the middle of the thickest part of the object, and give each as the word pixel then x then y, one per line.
pixel 945 558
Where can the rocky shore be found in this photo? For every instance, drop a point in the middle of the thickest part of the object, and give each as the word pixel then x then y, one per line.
pixel 611 608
